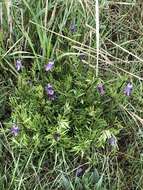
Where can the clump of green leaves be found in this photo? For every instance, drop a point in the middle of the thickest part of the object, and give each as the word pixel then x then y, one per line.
pixel 80 116
pixel 81 128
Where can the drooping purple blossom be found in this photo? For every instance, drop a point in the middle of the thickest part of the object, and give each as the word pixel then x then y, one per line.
pixel 50 92
pixel 101 89
pixel 82 56
pixel 79 172
pixel 112 141
pixel 49 89
pixel 49 66
pixel 18 65
pixel 15 130
pixel 73 27
pixel 128 89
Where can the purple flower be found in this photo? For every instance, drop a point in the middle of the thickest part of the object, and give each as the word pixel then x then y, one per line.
pixel 100 89
pixel 18 65
pixel 49 66
pixel 15 130
pixel 128 89
pixel 79 172
pixel 49 89
pixel 73 27
pixel 82 56
pixel 50 92
pixel 112 141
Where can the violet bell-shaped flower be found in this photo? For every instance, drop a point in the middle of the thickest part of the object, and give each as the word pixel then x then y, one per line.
pixel 73 27
pixel 18 65
pixel 101 89
pixel 112 141
pixel 50 92
pixel 15 130
pixel 128 89
pixel 49 66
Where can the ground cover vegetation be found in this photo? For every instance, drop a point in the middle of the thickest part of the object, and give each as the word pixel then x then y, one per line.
pixel 71 95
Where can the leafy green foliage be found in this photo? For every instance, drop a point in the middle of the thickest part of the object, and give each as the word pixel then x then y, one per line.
pixel 81 130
